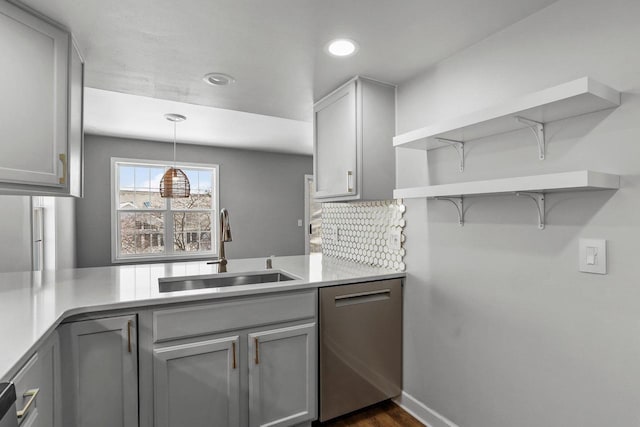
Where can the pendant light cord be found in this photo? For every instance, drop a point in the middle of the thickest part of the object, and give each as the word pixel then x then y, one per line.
pixel 174 145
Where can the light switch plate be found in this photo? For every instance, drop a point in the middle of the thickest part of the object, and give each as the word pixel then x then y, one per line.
pixel 593 256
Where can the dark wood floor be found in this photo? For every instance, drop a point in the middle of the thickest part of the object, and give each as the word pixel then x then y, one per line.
pixel 385 414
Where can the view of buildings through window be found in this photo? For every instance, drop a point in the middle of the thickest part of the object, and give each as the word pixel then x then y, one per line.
pixel 151 226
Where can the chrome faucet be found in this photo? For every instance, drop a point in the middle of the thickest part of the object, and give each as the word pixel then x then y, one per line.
pixel 225 236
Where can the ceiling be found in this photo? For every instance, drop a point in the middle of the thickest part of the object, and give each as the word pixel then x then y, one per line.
pixel 274 48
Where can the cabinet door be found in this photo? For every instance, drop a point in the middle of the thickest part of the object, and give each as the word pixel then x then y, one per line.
pixel 335 144
pixel 197 384
pixel 282 376
pixel 33 106
pixel 101 376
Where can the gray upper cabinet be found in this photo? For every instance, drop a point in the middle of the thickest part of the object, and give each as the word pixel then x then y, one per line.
pixel 40 107
pixel 100 372
pixel 353 151
pixel 282 376
pixel 335 144
pixel 198 383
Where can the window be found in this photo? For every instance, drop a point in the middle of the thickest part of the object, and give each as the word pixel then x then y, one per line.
pixel 145 226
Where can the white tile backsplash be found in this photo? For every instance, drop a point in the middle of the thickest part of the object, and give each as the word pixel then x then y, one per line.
pixel 360 232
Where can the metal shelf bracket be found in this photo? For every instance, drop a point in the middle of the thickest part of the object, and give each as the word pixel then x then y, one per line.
pixel 458 146
pixel 458 202
pixel 538 130
pixel 539 199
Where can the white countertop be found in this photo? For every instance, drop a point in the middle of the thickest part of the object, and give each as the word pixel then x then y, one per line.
pixel 33 304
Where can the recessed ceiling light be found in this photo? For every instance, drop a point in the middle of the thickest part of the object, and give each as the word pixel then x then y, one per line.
pixel 218 79
pixel 342 47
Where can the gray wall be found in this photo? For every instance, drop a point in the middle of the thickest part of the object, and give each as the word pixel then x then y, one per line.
pixel 264 193
pixel 501 328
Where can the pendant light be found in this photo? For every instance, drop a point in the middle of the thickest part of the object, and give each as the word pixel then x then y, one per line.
pixel 174 183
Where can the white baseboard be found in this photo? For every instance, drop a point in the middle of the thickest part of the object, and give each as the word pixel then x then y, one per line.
pixel 422 412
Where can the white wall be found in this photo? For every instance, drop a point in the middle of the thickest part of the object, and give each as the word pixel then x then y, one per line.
pixel 63 235
pixel 15 233
pixel 501 329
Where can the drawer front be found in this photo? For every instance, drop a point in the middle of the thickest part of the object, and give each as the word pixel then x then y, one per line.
pixel 234 314
pixel 36 396
pixel 27 382
pixel 30 394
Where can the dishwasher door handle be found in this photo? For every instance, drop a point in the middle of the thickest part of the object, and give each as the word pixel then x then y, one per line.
pixel 362 297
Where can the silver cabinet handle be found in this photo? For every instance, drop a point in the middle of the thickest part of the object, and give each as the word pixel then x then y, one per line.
pixel 31 394
pixel 349 181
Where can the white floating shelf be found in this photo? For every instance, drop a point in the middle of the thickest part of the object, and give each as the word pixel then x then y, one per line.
pixel 533 187
pixel 571 99
pixel 583 180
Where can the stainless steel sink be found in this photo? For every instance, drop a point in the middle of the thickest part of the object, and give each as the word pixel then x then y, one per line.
pixel 177 284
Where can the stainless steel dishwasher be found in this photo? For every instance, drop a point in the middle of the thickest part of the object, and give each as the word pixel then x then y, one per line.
pixel 360 346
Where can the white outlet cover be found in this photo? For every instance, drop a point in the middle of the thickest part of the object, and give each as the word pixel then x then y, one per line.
pixel 593 256
pixel 394 243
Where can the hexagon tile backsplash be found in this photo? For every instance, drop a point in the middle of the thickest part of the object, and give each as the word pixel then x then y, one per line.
pixel 365 232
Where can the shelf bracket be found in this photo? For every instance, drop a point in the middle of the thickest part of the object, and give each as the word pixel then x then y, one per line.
pixel 539 199
pixel 458 146
pixel 538 130
pixel 458 202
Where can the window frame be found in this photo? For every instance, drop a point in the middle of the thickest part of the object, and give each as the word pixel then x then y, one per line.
pixel 169 254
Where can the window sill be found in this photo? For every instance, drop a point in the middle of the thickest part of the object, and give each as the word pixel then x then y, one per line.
pixel 201 256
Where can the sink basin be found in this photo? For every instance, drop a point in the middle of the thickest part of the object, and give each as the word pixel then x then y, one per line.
pixel 176 284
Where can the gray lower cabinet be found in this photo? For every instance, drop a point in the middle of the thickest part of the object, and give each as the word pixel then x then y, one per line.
pixel 282 376
pixel 37 387
pixel 198 384
pixel 236 362
pixel 100 372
